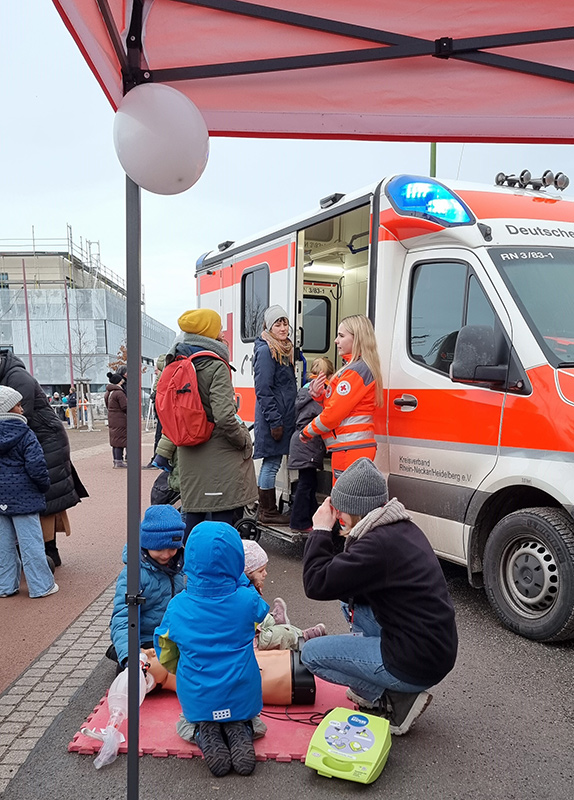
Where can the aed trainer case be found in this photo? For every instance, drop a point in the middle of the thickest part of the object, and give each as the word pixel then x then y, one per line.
pixel 350 745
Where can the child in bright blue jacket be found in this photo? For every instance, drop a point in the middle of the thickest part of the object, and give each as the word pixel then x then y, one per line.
pixel 206 638
pixel 24 480
pixel 161 542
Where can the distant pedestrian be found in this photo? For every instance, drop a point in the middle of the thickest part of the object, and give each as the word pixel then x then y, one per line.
pixel 116 402
pixel 73 406
pixel 24 480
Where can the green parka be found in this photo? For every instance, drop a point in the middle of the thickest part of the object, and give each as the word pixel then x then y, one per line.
pixel 218 475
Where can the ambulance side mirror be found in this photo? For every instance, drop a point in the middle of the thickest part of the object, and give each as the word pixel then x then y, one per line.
pixel 475 357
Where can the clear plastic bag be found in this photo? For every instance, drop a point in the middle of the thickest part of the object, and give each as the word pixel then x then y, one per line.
pixel 110 736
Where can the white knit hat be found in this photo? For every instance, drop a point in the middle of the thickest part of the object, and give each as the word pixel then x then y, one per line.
pixel 8 399
pixel 255 556
pixel 272 314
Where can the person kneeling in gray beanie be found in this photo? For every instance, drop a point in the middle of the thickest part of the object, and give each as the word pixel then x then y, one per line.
pixel 394 597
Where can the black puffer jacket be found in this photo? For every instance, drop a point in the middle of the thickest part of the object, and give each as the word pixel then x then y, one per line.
pixel 66 489
pixel 303 455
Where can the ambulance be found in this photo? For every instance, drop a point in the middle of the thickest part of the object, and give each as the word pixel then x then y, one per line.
pixel 470 289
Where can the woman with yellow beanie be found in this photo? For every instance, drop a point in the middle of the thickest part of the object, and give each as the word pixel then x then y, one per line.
pixel 218 476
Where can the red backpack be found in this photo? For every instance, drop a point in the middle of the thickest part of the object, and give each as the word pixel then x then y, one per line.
pixel 178 404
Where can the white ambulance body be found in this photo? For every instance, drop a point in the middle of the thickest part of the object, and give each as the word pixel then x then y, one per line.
pixel 471 292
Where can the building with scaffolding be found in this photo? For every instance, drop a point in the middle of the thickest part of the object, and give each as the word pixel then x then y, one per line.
pixel 64 314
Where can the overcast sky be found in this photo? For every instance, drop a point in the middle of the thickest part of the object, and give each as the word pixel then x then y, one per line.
pixel 58 167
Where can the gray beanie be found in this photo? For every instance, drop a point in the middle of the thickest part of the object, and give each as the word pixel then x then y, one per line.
pixel 272 314
pixel 360 489
pixel 8 399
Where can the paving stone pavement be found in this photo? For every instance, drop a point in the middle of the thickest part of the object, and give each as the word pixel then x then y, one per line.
pixel 30 704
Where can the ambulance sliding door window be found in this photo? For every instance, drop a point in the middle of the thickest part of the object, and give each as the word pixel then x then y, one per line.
pixel 254 301
pixel 316 324
pixel 444 297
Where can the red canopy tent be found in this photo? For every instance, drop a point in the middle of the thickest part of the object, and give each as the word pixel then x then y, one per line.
pixel 458 70
pixel 455 70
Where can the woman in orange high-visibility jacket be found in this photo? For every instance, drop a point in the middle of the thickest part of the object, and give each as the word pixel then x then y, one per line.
pixel 349 400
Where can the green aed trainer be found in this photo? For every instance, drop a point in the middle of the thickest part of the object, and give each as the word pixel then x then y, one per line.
pixel 350 745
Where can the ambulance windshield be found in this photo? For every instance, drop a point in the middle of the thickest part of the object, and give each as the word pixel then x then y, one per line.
pixel 542 284
pixel 427 198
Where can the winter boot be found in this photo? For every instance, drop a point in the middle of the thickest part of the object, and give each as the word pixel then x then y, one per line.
pixel 52 552
pixel 239 737
pixel 268 513
pixel 209 739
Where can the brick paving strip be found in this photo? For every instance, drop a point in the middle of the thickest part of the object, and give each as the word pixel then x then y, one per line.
pixel 30 705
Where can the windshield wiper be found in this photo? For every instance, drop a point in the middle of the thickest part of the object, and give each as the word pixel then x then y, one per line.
pixel 565 364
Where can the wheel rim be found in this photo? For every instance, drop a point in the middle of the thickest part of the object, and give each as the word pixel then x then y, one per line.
pixel 530 576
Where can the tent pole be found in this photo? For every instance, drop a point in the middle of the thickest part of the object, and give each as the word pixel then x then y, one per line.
pixel 133 598
pixel 432 172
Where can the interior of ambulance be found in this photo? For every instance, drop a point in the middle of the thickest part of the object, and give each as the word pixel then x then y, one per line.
pixel 332 271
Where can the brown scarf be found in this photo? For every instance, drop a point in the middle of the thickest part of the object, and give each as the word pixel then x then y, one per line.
pixel 281 351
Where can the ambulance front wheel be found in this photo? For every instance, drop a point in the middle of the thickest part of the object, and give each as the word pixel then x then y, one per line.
pixel 529 573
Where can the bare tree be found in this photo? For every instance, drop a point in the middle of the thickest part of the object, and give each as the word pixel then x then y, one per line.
pixel 85 355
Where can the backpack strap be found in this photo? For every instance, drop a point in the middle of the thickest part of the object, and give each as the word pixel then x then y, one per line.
pixel 209 354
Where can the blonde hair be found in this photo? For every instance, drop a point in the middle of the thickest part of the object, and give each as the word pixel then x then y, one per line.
pixel 365 347
pixel 322 365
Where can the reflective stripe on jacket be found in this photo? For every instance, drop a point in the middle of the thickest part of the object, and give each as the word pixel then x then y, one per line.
pixel 346 421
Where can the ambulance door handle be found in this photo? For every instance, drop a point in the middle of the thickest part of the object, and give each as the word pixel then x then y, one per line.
pixel 407 402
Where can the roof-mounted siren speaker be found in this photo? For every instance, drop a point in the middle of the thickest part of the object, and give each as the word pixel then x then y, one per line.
pixel 510 180
pixel 561 181
pixel 546 180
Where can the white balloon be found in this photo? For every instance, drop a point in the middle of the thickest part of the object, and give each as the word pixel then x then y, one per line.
pixel 160 138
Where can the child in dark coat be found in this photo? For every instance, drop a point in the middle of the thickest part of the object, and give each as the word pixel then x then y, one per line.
pixel 23 482
pixel 307 457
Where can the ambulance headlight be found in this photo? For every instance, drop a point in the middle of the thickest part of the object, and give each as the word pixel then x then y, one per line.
pixel 427 198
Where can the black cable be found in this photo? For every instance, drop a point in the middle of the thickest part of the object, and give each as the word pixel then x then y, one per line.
pixel 312 718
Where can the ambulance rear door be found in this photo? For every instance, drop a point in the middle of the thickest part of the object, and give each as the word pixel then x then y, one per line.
pixel 443 436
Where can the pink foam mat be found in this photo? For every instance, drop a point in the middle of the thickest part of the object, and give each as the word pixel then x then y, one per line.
pixel 287 738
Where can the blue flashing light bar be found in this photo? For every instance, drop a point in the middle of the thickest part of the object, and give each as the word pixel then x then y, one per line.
pixel 414 196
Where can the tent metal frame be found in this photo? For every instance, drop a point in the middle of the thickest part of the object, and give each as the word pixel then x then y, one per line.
pixel 395 46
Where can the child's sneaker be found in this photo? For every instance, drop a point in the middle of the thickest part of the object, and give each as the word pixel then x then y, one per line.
pixel 55 588
pixel 240 741
pixel 279 611
pixel 312 633
pixel 209 739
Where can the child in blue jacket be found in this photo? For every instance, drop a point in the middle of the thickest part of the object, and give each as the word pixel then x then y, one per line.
pixel 161 541
pixel 206 638
pixel 24 480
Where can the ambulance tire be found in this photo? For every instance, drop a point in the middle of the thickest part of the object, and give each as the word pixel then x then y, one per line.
pixel 529 573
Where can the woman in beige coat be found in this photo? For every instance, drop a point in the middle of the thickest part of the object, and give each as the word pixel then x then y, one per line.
pixel 216 477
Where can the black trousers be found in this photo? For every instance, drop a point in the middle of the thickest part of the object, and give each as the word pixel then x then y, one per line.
pixel 193 518
pixel 305 500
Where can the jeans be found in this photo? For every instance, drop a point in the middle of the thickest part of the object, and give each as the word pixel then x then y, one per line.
pixel 193 518
pixel 305 500
pixel 355 660
pixel 24 529
pixel 118 453
pixel 268 472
